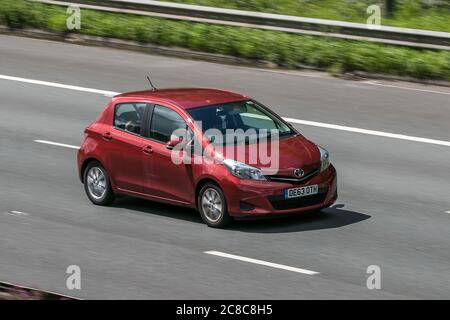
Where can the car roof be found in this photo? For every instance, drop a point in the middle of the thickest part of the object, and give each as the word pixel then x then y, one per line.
pixel 187 98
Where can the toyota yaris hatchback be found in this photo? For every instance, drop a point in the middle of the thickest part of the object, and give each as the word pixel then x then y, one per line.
pixel 217 151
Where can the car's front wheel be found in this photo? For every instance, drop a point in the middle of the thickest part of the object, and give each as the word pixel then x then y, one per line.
pixel 97 184
pixel 213 206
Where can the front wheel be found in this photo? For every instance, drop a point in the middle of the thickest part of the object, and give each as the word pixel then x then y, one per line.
pixel 213 206
pixel 97 185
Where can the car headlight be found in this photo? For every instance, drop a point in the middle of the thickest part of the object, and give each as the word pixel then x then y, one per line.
pixel 242 170
pixel 324 159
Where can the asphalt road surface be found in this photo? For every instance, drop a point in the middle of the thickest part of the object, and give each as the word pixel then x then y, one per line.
pixel 392 211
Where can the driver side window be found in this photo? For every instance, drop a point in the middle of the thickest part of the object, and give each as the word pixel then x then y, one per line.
pixel 164 122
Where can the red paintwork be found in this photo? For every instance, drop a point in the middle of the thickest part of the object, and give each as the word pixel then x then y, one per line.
pixel 154 176
pixel 187 98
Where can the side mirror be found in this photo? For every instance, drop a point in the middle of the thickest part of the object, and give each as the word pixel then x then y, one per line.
pixel 174 141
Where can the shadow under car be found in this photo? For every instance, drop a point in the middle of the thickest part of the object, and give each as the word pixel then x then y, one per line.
pixel 333 217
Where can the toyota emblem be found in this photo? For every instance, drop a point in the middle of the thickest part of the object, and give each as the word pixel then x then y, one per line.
pixel 299 173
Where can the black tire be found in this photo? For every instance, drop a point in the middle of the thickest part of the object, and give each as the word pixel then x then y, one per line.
pixel 108 196
pixel 224 218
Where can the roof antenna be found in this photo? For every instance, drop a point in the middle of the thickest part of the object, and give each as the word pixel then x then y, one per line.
pixel 151 84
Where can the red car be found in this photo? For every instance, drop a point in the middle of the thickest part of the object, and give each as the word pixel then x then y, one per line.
pixel 133 148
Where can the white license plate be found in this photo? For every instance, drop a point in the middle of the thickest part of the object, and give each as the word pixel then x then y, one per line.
pixel 301 192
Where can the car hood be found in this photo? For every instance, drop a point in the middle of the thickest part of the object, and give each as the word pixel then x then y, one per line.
pixel 294 152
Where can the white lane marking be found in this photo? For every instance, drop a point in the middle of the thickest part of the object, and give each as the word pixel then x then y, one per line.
pixel 59 85
pixel 57 144
pixel 404 88
pixel 17 213
pixel 447 211
pixel 370 132
pixel 261 262
pixel 292 120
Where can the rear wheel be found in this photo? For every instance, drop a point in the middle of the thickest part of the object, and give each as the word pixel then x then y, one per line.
pixel 97 184
pixel 213 206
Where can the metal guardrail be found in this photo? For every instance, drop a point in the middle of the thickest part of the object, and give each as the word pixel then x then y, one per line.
pixel 268 21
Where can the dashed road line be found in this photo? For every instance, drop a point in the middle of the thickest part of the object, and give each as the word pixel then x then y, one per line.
pixel 261 262
pixel 57 144
pixel 17 213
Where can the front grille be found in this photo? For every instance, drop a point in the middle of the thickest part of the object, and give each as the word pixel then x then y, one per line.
pixel 279 203
pixel 291 179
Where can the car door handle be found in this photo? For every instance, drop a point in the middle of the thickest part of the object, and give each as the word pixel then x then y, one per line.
pixel 107 136
pixel 147 150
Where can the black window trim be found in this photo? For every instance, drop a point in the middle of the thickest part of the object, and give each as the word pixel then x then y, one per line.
pixel 145 130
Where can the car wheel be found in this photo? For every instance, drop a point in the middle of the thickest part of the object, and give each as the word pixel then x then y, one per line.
pixel 213 206
pixel 97 184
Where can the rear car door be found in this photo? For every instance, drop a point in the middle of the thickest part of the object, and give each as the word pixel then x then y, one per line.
pixel 125 144
pixel 164 178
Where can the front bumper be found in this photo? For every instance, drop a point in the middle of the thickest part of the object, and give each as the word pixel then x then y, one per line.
pixel 260 198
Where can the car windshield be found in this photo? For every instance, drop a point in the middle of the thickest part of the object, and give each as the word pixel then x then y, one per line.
pixel 242 121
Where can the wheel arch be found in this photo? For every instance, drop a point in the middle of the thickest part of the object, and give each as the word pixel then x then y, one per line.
pixel 201 183
pixel 86 162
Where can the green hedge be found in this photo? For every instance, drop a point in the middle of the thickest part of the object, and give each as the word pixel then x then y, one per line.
pixel 285 49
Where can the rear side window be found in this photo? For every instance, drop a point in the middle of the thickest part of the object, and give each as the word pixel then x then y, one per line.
pixel 164 122
pixel 129 116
